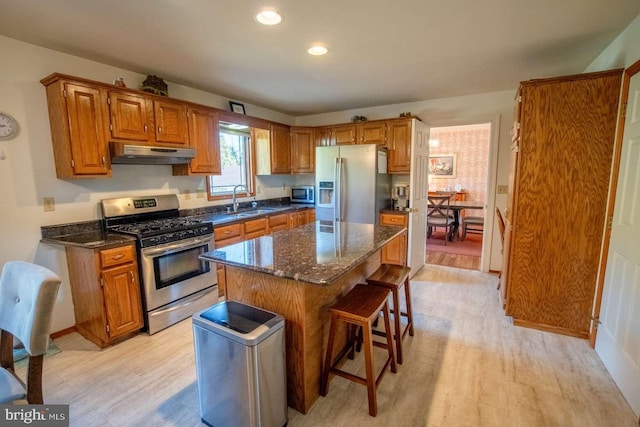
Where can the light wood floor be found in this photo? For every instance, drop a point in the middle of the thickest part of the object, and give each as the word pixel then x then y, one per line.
pixel 454 260
pixel 465 366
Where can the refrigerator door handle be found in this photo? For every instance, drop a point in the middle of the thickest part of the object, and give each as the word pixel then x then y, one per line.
pixel 337 176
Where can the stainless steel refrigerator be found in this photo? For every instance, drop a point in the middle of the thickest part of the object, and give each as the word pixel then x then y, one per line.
pixel 352 184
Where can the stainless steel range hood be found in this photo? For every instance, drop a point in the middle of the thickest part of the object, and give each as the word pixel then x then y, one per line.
pixel 149 155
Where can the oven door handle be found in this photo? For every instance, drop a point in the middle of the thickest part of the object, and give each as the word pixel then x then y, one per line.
pixel 175 248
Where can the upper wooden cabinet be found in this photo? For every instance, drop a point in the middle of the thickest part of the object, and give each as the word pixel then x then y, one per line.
pixel 555 220
pixel 280 149
pixel 78 129
pixel 273 150
pixel 130 116
pixel 170 121
pixel 204 136
pixel 303 150
pixel 399 144
pixel 343 134
pixel 372 133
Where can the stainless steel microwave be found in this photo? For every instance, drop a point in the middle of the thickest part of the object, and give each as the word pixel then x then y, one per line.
pixel 303 194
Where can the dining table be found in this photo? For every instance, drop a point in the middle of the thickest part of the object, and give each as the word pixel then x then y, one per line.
pixel 456 206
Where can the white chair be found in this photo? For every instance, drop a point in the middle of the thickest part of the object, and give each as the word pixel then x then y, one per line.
pixel 27 297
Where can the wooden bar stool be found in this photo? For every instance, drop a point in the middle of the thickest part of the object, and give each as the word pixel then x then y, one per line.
pixel 359 308
pixel 393 277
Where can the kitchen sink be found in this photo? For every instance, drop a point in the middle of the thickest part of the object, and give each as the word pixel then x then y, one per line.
pixel 252 212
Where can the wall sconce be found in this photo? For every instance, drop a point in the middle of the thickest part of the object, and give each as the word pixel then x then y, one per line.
pixel 433 143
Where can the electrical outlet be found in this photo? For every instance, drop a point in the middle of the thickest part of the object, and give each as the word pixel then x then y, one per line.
pixel 49 204
pixel 259 189
pixel 503 189
pixel 187 194
pixel 200 194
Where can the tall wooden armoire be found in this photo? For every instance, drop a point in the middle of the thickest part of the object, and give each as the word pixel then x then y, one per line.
pixel 562 149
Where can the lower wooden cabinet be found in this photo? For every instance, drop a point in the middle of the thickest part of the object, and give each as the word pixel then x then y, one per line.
pixel 106 292
pixel 278 223
pixel 256 228
pixel 395 252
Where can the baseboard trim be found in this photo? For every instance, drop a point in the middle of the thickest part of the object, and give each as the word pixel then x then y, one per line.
pixel 63 332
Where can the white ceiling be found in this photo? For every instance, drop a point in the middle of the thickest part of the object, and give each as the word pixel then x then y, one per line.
pixel 380 52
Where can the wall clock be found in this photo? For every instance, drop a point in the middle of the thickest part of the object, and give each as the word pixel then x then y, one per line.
pixel 8 126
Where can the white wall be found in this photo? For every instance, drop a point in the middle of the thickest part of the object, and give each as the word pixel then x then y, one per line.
pixel 496 107
pixel 622 52
pixel 27 173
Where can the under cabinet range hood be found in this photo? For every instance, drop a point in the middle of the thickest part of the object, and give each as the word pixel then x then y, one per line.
pixel 123 153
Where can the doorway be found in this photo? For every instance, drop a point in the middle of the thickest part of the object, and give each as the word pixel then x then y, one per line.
pixel 467 148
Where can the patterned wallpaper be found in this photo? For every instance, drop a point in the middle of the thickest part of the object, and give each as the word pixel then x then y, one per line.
pixel 471 146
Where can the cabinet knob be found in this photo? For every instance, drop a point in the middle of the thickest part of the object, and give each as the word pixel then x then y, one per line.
pixel 117 257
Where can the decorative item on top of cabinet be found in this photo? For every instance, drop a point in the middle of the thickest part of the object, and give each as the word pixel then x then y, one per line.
pixel 106 292
pixel 204 137
pixel 557 201
pixel 399 144
pixel 303 150
pixel 155 85
pixel 78 120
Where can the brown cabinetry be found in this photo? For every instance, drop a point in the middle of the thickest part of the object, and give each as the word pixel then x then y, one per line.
pixel 372 133
pixel 297 218
pixel 343 134
pixel 106 292
pixel 280 150
pixel 224 236
pixel 170 122
pixel 278 223
pixel 395 252
pixel 85 116
pixel 78 129
pixel 399 144
pixel 204 137
pixel 555 217
pixel 273 150
pixel 130 116
pixel 255 228
pixel 303 150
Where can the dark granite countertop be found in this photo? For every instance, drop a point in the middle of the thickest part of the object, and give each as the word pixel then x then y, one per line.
pixel 90 240
pixel 89 234
pixel 220 218
pixel 318 252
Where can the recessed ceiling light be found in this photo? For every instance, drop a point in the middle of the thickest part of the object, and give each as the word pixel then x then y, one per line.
pixel 317 50
pixel 268 17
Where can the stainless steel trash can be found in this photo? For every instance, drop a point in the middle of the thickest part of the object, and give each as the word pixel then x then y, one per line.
pixel 240 366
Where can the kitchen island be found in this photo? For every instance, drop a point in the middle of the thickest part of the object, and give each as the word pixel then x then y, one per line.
pixel 300 273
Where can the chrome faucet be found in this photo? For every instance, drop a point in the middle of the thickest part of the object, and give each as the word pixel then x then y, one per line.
pixel 235 203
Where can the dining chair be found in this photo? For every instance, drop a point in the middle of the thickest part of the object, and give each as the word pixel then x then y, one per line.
pixel 472 224
pixel 440 215
pixel 27 297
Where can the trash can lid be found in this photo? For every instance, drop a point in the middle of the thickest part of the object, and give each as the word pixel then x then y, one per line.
pixel 237 316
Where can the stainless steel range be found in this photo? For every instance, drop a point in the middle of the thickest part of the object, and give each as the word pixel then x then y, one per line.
pixel 175 282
